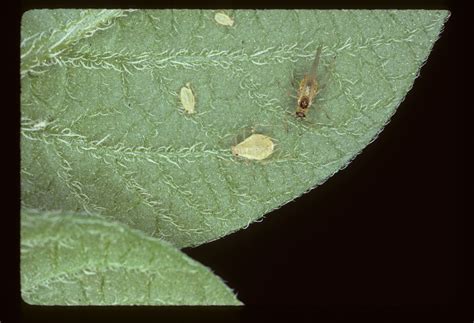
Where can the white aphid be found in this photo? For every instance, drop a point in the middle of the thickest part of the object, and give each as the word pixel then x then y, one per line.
pixel 223 19
pixel 187 98
pixel 257 147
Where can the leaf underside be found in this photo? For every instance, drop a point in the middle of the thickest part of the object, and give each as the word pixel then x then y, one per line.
pixel 103 129
pixel 76 259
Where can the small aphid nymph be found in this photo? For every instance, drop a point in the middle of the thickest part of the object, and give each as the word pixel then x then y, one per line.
pixel 187 99
pixel 255 147
pixel 223 19
pixel 308 88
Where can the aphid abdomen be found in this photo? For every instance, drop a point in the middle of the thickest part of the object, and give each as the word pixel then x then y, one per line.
pixel 187 99
pixel 308 88
pixel 250 151
pixel 223 19
pixel 256 147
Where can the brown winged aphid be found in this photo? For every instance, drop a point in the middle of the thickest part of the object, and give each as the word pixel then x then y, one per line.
pixel 308 88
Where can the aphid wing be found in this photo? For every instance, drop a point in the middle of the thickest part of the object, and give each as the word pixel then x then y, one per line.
pixel 308 87
pixel 314 66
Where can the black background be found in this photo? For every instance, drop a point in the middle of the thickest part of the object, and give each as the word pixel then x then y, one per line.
pixel 383 236
pixel 382 231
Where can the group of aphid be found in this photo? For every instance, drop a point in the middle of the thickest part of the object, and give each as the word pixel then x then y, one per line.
pixel 258 146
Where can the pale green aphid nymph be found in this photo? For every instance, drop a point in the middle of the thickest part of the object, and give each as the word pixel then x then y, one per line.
pixel 223 19
pixel 256 147
pixel 187 98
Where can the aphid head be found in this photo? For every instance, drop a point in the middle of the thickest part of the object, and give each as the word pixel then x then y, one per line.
pixel 300 114
pixel 234 151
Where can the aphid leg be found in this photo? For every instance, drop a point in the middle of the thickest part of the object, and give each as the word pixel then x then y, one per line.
pixel 289 91
pixel 294 82
pixel 286 125
pixel 245 132
pixel 320 88
pixel 333 63
pixel 324 110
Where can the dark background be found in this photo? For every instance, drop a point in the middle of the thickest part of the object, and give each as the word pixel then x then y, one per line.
pixel 383 236
pixel 381 232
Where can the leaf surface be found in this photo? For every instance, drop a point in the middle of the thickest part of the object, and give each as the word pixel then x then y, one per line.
pixel 103 129
pixel 76 259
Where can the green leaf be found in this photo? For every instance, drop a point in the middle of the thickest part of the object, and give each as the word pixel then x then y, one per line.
pixel 103 129
pixel 69 259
